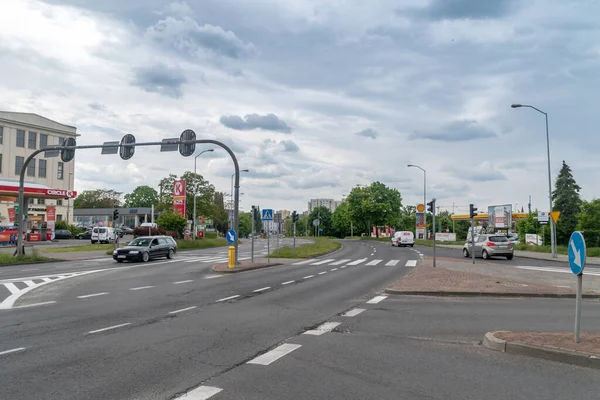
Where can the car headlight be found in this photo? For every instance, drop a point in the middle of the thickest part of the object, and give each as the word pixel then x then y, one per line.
pixel 114 252
pixel 134 252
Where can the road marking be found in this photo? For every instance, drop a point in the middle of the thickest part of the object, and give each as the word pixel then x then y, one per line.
pixel 288 282
pixel 47 279
pixel 333 269
pixel 36 304
pixel 343 266
pixel 376 299
pixel 275 354
pixel 307 277
pixel 200 393
pixel 340 262
pixel 374 262
pixel 391 263
pixel 212 276
pixel 323 262
pixel 411 263
pixel 92 295
pixel 141 287
pixel 29 283
pixel 110 327
pixel 11 351
pixel 374 250
pixel 356 262
pixel 323 328
pixel 372 254
pixel 228 298
pixel 262 289
pixel 12 287
pixel 302 262
pixel 353 313
pixel 182 310
pixel 322 273
pixel 177 283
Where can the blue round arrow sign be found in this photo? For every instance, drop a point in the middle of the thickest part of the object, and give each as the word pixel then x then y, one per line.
pixel 231 236
pixel 577 253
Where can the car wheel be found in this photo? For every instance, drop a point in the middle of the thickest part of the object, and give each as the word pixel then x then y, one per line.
pixel 412 245
pixel 145 257
pixel 509 257
pixel 119 261
pixel 170 254
pixel 465 252
pixel 485 255
pixel 93 241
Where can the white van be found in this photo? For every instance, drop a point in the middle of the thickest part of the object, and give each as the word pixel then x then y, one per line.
pixel 103 234
pixel 403 238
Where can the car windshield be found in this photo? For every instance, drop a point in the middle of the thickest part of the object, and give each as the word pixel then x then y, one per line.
pixel 140 242
pixel 498 239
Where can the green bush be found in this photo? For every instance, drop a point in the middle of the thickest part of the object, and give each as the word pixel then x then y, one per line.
pixel 71 228
pixel 172 222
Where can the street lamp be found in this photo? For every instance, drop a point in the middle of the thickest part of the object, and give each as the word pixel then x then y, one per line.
pixel 424 196
pixel 232 175
pixel 552 225
pixel 196 189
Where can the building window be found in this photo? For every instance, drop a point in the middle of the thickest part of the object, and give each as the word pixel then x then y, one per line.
pixel 59 217
pixel 59 170
pixel 1 135
pixel 59 202
pixel 61 141
pixel 43 140
pixel 31 168
pixel 41 201
pixel 41 169
pixel 20 138
pixel 32 140
pixel 19 161
pixel 0 163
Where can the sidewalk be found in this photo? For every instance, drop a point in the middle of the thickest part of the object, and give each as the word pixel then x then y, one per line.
pixel 247 265
pixel 557 346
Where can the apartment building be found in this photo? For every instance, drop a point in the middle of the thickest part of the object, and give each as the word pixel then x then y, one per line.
pixel 331 204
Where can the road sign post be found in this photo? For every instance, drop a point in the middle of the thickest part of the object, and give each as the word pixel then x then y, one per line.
pixel 267 215
pixel 252 235
pixel 431 208
pixel 577 258
pixel 294 238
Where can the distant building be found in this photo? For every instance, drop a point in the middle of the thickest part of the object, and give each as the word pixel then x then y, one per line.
pixel 331 204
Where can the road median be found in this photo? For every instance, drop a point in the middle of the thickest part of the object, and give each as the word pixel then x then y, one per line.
pixel 259 263
pixel 319 247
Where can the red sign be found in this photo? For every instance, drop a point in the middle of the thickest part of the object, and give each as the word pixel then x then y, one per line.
pixel 179 197
pixel 201 234
pixel 50 213
pixel 59 193
pixel 11 214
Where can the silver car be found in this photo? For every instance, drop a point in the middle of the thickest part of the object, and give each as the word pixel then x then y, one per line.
pixel 487 246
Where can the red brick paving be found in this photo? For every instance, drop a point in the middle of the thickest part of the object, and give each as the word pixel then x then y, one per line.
pixel 589 343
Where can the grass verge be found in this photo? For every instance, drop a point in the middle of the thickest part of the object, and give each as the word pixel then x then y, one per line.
pixel 85 247
pixel 8 258
pixel 430 242
pixel 319 247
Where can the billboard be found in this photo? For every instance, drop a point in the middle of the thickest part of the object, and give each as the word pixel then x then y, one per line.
pixel 420 220
pixel 50 220
pixel 12 215
pixel 179 197
pixel 500 217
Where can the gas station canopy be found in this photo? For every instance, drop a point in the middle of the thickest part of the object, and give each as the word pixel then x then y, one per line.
pixel 9 191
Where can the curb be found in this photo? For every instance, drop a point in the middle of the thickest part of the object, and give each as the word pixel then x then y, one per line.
pixel 234 270
pixel 488 294
pixel 492 342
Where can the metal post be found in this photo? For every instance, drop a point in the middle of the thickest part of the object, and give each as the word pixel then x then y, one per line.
pixel 473 239
pixel 552 224
pixel 433 222
pixel 578 307
pixel 294 238
pixel 425 202
pixel 269 243
pixel 68 198
pixel 231 197
pixel 252 234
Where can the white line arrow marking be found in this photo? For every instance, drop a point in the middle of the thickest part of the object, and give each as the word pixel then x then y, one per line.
pixel 577 254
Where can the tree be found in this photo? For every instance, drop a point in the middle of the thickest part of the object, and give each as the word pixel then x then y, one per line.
pixel 142 196
pixel 219 214
pixel 165 190
pixel 375 205
pixel 204 195
pixel 589 222
pixel 303 226
pixel 528 225
pixel 98 198
pixel 172 222
pixel 324 216
pixel 567 201
pixel 341 221
pixel 258 225
pixel 245 225
pixel 408 219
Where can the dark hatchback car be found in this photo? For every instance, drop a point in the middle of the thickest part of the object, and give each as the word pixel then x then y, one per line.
pixel 145 248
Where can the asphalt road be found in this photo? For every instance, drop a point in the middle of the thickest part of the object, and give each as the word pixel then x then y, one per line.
pixel 156 330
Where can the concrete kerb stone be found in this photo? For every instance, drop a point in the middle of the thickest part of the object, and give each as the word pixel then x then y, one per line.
pixel 569 357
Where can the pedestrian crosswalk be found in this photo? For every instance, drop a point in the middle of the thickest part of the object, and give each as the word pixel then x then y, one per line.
pixel 361 261
pixel 217 258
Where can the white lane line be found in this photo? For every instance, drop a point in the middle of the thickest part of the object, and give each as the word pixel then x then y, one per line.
pixel 323 262
pixel 261 289
pixel 376 299
pixel 110 328
pixel 322 273
pixel 92 295
pixel 391 263
pixel 11 351
pixel 353 312
pixel 343 266
pixel 275 354
pixel 47 279
pixel 356 262
pixel 212 276
pixel 228 298
pixel 200 393
pixel 182 310
pixel 323 328
pixel 374 262
pixel 288 282
pixel 36 304
pixel 29 283
pixel 141 287
pixel 333 269
pixel 308 277
pixel 411 263
pixel 374 250
pixel 372 254
pixel 12 287
pixel 340 262
pixel 177 283
pixel 302 262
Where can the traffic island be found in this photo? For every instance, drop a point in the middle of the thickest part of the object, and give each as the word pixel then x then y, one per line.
pixel 555 346
pixel 259 263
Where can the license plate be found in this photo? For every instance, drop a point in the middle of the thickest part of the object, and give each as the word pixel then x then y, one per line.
pixel 121 256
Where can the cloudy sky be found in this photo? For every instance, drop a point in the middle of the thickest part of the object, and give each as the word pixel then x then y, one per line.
pixel 317 96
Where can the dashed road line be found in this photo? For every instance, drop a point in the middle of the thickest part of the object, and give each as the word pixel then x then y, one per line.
pixel 141 288
pixel 180 282
pixel 182 310
pixel 372 254
pixel 353 313
pixel 275 354
pixel 212 276
pixel 308 277
pixel 2 353
pixel 322 273
pixel 411 263
pixel 36 304
pixel 110 328
pixel 92 295
pixel 288 282
pixel 343 266
pixel 228 298
pixel 261 289
pixel 333 269
pixel 376 299
pixel 323 328
pixel 201 393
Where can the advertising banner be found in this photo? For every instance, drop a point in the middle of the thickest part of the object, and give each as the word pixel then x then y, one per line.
pixel 500 217
pixel 543 217
pixel 420 220
pixel 179 197
pixel 50 220
pixel 12 215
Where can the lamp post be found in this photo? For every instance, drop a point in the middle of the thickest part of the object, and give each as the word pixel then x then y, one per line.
pixel 232 175
pixel 68 198
pixel 195 235
pixel 424 195
pixel 552 225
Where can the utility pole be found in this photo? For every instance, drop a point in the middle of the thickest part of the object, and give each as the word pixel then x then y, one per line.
pixel 453 231
pixel 472 214
pixel 529 205
pixel 252 234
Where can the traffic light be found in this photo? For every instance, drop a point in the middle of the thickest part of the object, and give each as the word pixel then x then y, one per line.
pixel 472 211
pixel 115 214
pixel 431 206
pixel 295 216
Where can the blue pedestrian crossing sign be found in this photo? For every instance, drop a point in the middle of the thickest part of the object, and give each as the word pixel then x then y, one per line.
pixel 267 214
pixel 231 236
pixel 577 253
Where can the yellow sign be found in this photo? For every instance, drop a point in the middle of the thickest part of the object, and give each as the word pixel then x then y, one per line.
pixel 554 215
pixel 420 208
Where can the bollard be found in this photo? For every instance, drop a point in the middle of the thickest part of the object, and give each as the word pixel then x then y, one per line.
pixel 231 261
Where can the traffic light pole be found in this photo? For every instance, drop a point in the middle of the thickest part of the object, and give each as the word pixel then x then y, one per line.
pixel 433 224
pixel 252 235
pixel 473 239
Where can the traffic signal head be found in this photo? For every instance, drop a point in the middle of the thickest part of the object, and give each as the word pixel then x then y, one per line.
pixel 431 206
pixel 295 216
pixel 115 214
pixel 472 210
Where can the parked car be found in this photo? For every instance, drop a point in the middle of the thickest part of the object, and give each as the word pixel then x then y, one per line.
pixel 145 248
pixel 103 235
pixel 403 238
pixel 62 234
pixel 84 235
pixel 487 246
pixel 514 239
